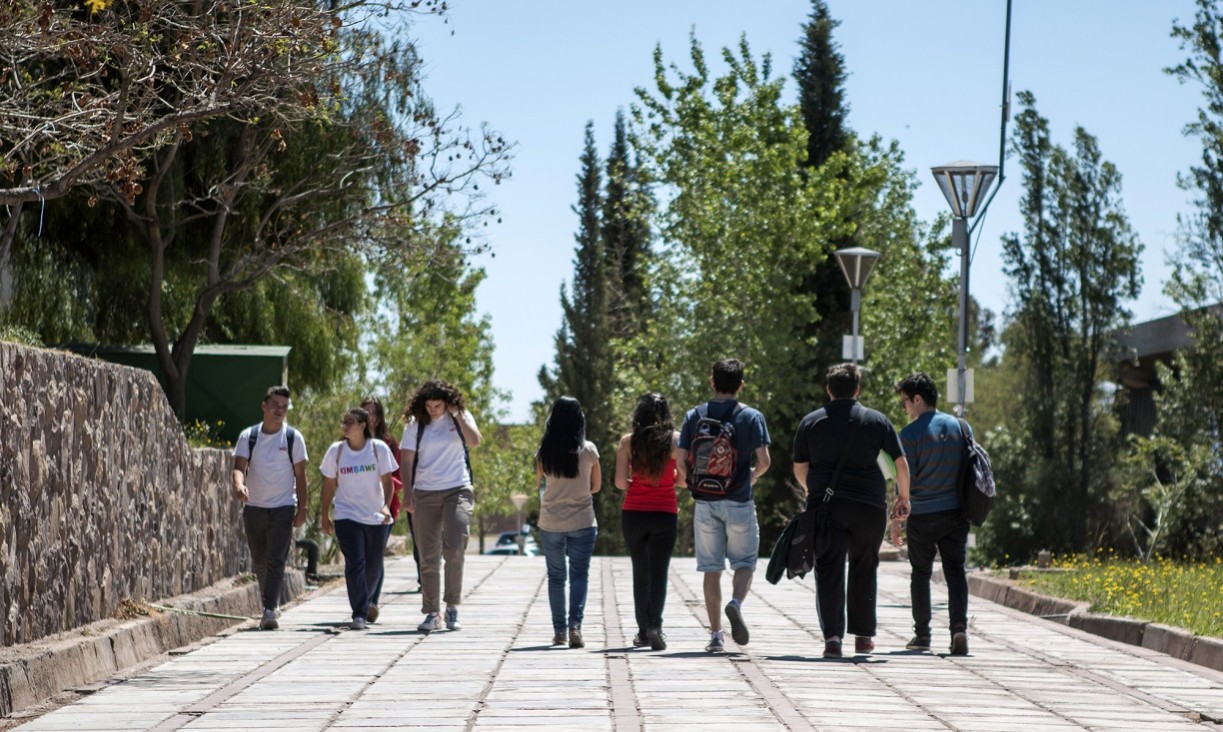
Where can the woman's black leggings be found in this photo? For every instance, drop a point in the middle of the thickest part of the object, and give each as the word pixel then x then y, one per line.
pixel 650 537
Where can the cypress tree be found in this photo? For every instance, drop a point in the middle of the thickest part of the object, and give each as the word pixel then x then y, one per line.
pixel 626 236
pixel 820 73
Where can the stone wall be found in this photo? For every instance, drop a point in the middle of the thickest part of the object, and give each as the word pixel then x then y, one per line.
pixel 101 499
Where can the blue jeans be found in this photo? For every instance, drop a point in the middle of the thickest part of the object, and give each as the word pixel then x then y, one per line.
pixel 577 546
pixel 361 545
pixel 725 530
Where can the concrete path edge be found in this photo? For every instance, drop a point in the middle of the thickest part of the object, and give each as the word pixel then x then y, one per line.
pixel 34 672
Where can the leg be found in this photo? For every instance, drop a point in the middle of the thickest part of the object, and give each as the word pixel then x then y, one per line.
pixel 375 536
pixel 415 547
pixel 280 541
pixel 742 545
pixel 921 538
pixel 579 547
pixel 553 544
pixel 351 538
pixel 428 523
pixel 456 520
pixel 376 595
pixel 709 533
pixel 830 577
pixel 713 599
pixel 661 543
pixel 953 548
pixel 636 538
pixel 255 522
pixel 868 526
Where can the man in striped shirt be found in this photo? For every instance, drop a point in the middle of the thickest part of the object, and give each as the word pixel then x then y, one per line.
pixel 934 444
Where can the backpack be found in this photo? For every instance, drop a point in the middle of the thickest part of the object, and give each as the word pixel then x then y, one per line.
pixel 712 459
pixel 290 433
pixel 976 484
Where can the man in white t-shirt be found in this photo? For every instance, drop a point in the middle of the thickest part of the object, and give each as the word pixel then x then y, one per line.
pixel 270 480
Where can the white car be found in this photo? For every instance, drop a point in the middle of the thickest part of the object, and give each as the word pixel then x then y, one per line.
pixel 511 550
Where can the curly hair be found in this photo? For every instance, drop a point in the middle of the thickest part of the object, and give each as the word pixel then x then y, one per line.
pixel 650 445
pixel 434 390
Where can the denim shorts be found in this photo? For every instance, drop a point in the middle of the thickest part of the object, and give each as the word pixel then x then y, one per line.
pixel 725 530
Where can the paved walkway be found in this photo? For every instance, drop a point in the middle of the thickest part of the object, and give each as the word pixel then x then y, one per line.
pixel 499 673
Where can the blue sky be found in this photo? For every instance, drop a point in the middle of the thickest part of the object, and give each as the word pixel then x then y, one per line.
pixel 926 73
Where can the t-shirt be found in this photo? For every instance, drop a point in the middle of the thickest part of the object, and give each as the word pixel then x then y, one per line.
pixel 566 504
pixel 269 475
pixel 358 474
pixel 934 447
pixel 751 432
pixel 655 493
pixel 823 435
pixel 441 461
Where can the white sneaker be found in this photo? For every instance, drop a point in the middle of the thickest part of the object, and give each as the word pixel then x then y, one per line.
pixel 452 619
pixel 268 622
pixel 358 623
pixel 432 622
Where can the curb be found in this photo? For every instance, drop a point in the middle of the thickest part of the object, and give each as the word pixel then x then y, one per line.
pixel 34 672
pixel 1176 642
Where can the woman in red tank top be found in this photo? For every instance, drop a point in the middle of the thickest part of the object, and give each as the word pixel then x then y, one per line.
pixel 646 472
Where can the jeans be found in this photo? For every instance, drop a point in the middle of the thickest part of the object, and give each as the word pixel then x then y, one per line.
pixel 946 532
pixel 362 547
pixel 650 537
pixel 856 530
pixel 577 546
pixel 269 534
pixel 375 594
pixel 725 530
pixel 442 520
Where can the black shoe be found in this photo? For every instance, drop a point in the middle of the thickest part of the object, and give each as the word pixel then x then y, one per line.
pixel 658 641
pixel 738 628
pixel 919 643
pixel 959 644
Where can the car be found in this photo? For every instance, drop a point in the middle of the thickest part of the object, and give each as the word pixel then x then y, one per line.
pixel 511 550
pixel 510 538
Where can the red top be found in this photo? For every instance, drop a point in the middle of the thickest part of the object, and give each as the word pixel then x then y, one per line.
pixel 652 494
pixel 396 483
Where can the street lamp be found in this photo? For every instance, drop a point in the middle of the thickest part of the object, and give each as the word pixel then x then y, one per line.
pixel 964 184
pixel 857 264
pixel 519 500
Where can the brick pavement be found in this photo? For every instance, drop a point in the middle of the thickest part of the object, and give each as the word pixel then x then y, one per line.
pixel 499 673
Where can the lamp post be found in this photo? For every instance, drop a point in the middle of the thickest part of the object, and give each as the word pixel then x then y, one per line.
pixel 857 264
pixel 519 500
pixel 964 184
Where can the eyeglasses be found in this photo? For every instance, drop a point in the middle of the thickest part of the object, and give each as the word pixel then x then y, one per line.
pixel 347 421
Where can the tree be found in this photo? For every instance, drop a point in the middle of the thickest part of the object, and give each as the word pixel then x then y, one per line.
pixel 1072 269
pixel 626 236
pixel 820 73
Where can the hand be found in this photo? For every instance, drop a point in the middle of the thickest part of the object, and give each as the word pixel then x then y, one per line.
pixel 300 517
pixel 385 513
pixel 241 494
pixel 409 500
pixel 901 509
pixel 326 525
pixel 895 527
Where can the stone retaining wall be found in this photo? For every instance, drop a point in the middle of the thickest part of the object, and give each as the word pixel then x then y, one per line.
pixel 101 499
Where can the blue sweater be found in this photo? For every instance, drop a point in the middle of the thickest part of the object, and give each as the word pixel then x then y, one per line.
pixel 934 446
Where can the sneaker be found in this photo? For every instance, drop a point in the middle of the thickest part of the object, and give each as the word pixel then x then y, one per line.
pixel 658 639
pixel 432 622
pixel 371 614
pixel 558 638
pixel 639 640
pixel 863 644
pixel 959 644
pixel 452 619
pixel 268 622
pixel 832 648
pixel 738 628
pixel 715 643
pixel 919 643
pixel 358 623
pixel 575 637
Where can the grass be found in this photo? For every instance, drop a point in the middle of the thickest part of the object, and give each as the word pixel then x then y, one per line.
pixel 1164 591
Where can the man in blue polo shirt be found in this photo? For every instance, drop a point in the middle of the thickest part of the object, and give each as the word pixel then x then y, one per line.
pixel 725 527
pixel 934 444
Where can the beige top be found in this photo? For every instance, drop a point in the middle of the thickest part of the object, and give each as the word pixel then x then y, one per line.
pixel 566 504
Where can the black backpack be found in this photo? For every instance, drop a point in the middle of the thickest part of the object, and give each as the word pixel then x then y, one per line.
pixel 977 489
pixel 713 457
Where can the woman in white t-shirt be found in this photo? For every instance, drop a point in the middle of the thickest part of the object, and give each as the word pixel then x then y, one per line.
pixel 357 474
pixel 569 465
pixel 436 477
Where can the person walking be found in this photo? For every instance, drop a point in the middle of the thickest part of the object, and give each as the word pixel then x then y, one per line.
pixel 357 474
pixel 436 474
pixel 647 472
pixel 269 479
pixel 568 464
pixel 836 448
pixel 724 519
pixel 379 429
pixel 934 444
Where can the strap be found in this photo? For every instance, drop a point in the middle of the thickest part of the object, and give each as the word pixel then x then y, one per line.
pixel 965 432
pixel 466 451
pixel 836 473
pixel 420 431
pixel 290 433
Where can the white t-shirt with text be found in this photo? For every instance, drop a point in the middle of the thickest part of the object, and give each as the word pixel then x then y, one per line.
pixel 269 475
pixel 440 462
pixel 358 474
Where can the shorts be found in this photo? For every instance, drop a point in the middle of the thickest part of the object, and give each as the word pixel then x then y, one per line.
pixel 725 530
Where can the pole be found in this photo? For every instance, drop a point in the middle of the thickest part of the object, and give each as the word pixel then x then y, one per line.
pixel 522 545
pixel 959 239
pixel 855 305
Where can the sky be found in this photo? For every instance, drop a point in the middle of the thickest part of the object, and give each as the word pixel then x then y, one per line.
pixel 926 73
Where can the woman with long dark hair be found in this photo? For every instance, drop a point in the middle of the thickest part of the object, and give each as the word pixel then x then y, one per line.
pixel 436 475
pixel 646 472
pixel 357 474
pixel 378 426
pixel 569 466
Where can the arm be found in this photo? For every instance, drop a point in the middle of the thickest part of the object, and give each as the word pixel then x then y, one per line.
pixel 763 461
pixel 681 462
pixel 901 509
pixel 800 474
pixel 388 490
pixel 471 433
pixel 596 477
pixel 303 504
pixel 622 463
pixel 240 492
pixel 405 477
pixel 539 471
pixel 324 509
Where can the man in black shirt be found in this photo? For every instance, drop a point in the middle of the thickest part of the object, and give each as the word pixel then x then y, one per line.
pixel 850 435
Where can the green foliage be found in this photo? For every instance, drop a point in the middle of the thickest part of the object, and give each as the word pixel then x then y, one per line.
pixel 504 465
pixel 1165 492
pixel 200 433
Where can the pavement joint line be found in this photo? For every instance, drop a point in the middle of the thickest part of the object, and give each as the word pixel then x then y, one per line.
pixel 626 715
pixel 478 705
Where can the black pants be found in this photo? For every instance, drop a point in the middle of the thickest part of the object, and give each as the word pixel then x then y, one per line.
pixel 946 532
pixel 650 538
pixel 269 534
pixel 855 530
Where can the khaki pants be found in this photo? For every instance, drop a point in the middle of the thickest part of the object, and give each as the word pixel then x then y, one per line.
pixel 441 520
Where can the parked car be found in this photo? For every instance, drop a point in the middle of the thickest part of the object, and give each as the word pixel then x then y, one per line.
pixel 528 549
pixel 508 538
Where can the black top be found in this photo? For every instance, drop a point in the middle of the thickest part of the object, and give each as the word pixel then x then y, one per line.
pixel 823 434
